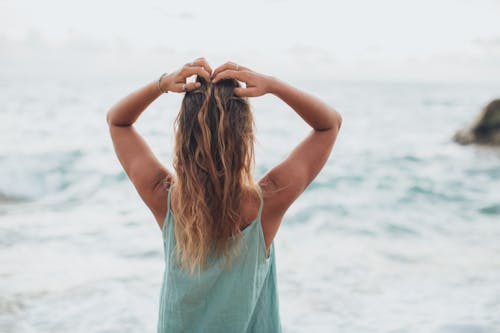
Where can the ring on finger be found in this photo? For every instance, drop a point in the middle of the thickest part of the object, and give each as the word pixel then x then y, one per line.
pixel 183 87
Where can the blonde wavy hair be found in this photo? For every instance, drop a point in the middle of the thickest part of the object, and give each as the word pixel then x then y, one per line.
pixel 213 160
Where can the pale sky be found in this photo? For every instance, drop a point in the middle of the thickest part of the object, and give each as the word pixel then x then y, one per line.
pixel 346 40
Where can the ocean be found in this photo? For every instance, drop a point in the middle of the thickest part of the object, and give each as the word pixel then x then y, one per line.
pixel 400 232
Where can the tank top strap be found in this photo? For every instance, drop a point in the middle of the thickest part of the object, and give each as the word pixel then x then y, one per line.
pixel 168 197
pixel 261 197
pixel 166 221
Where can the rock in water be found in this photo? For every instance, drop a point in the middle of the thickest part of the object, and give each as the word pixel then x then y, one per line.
pixel 485 129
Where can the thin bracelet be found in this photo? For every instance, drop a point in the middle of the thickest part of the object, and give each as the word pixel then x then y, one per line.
pixel 159 88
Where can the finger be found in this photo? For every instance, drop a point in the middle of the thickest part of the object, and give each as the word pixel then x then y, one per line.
pixel 203 63
pixel 230 74
pixel 228 65
pixel 184 87
pixel 200 62
pixel 221 68
pixel 246 92
pixel 198 70
pixel 192 86
pixel 241 68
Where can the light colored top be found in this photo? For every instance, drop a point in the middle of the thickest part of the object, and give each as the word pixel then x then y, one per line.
pixel 243 298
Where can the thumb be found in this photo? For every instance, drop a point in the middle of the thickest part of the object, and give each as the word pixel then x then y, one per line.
pixel 192 86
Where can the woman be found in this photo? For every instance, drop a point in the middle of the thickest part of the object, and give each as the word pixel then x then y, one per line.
pixel 217 224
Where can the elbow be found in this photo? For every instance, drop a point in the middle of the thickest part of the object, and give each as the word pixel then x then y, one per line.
pixel 338 120
pixel 108 118
pixel 335 128
pixel 112 121
pixel 333 124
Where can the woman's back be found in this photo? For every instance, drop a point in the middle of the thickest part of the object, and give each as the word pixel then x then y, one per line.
pixel 240 298
pixel 213 162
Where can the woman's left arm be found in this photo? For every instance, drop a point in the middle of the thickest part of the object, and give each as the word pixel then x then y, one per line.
pixel 149 176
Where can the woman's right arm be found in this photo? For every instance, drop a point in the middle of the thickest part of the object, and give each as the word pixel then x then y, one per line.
pixel 283 184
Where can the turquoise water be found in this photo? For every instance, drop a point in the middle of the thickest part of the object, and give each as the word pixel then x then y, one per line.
pixel 399 232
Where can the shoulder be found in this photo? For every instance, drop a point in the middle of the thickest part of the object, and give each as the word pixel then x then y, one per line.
pixel 249 206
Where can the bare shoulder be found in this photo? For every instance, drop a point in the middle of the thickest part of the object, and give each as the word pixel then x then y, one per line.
pixel 250 206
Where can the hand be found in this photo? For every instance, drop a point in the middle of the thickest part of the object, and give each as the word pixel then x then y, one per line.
pixel 256 84
pixel 176 81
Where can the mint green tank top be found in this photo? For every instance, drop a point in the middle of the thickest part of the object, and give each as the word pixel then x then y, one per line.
pixel 243 298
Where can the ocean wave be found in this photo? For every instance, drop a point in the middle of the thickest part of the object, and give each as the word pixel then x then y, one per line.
pixel 62 176
pixel 32 176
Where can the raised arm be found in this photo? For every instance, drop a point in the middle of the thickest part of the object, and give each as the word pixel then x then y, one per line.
pixel 142 167
pixel 283 184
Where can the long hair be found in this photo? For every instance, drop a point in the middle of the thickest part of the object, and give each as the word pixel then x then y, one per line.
pixel 213 160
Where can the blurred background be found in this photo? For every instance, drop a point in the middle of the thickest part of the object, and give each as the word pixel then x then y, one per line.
pixel 398 233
